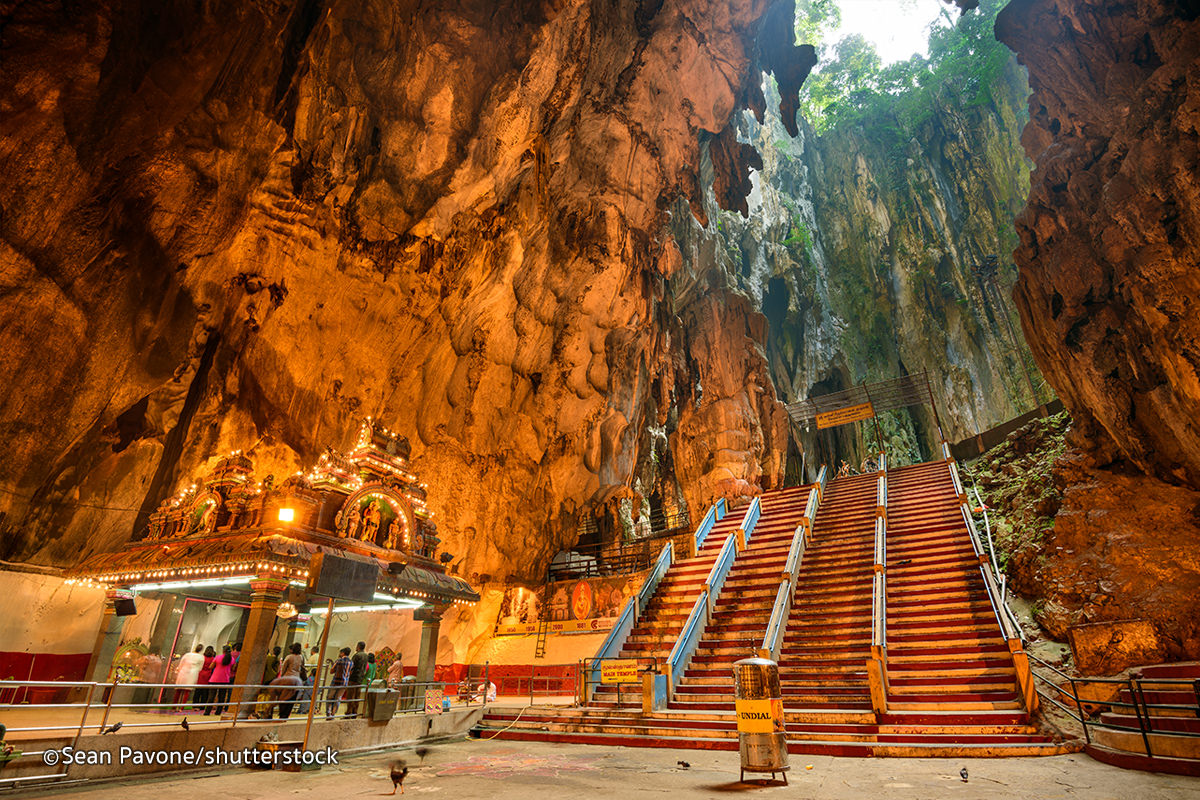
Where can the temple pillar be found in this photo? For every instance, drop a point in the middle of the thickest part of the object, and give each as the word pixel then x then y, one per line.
pixel 266 593
pixel 107 639
pixel 431 622
pixel 166 624
pixel 297 628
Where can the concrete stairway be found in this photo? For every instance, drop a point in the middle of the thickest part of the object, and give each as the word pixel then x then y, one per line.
pixel 953 688
pixel 662 620
pixel 743 608
pixel 1173 734
pixel 822 661
pixel 949 667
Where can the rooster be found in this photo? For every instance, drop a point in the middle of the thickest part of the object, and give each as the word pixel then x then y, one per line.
pixel 399 773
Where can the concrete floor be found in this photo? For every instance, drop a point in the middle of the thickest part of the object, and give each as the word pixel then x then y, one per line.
pixel 468 769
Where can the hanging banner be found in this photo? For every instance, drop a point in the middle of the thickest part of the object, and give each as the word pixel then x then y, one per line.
pixel 573 606
pixel 844 416
pixel 567 626
pixel 619 670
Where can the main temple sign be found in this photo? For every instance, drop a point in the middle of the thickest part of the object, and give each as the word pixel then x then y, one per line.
pixel 844 416
pixel 619 670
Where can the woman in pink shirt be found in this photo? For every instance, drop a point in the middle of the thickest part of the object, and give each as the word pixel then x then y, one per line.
pixel 222 676
pixel 204 679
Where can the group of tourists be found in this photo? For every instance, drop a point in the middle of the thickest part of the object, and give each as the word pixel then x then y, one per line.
pixel 288 680
pixel 207 676
pixel 291 679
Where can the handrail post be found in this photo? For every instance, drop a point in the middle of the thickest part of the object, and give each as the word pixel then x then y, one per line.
pixel 112 692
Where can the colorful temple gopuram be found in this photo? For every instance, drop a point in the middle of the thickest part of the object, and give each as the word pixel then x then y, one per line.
pixel 236 539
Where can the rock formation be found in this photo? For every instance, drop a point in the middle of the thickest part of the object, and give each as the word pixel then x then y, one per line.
pixel 863 251
pixel 248 225
pixel 1108 292
pixel 1111 236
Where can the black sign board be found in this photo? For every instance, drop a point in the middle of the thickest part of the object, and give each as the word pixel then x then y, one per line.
pixel 342 578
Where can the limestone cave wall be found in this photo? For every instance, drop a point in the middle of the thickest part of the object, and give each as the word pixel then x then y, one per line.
pixel 862 252
pixel 246 225
pixel 1108 293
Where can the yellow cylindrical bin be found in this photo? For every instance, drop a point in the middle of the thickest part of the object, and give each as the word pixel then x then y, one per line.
pixel 759 703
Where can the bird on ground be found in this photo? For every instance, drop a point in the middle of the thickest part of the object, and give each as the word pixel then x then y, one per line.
pixel 185 725
pixel 684 765
pixel 963 774
pixel 112 728
pixel 421 753
pixel 399 773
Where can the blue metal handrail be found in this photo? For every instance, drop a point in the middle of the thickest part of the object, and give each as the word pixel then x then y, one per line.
pixel 779 612
pixel 716 513
pixel 689 638
pixel 615 641
pixel 773 638
pixel 720 568
pixel 750 520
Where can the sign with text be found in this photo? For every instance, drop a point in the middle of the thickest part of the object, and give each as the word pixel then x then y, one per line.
pixel 759 716
pixel 433 701
pixel 619 670
pixel 568 626
pixel 844 416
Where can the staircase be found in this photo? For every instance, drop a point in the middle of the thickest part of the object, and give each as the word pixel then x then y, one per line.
pixel 661 621
pixel 950 672
pixel 953 689
pixel 822 662
pixel 1173 734
pixel 743 608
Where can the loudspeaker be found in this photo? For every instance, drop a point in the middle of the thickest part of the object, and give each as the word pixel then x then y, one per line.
pixel 124 607
pixel 342 578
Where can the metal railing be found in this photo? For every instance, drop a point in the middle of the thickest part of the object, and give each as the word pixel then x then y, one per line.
pixel 1131 696
pixel 715 514
pixel 720 570
pixel 773 638
pixel 1010 626
pixel 746 527
pixel 879 577
pixel 113 707
pixel 592 670
pixel 689 638
pixel 615 641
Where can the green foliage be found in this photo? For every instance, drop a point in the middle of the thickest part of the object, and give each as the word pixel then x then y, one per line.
pixel 799 234
pixel 850 86
pixel 815 20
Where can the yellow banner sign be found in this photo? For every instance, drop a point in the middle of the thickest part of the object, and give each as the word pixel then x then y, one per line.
pixel 623 670
pixel 759 716
pixel 563 626
pixel 843 416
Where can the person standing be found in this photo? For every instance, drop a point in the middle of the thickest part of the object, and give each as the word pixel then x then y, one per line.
pixel 271 669
pixel 204 680
pixel 339 679
pixel 222 676
pixel 358 674
pixel 395 672
pixel 290 676
pixel 371 669
pixel 187 675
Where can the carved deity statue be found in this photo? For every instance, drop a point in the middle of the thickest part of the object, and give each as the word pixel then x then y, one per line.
pixel 353 516
pixel 207 521
pixel 372 517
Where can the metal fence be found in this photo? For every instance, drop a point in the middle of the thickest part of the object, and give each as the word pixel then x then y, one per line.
pixel 1131 695
pixel 76 708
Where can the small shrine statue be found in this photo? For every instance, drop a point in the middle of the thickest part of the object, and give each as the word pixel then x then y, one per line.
pixel 351 520
pixel 268 483
pixel 372 518
pixel 207 521
pixel 389 535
